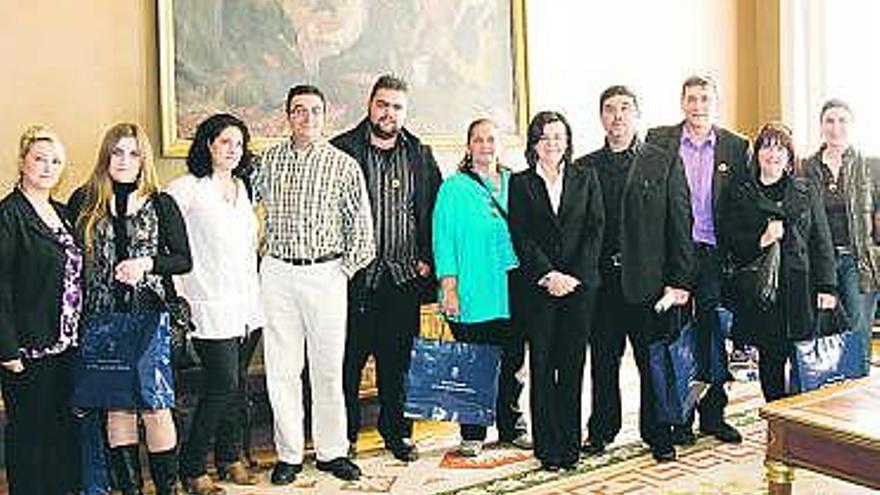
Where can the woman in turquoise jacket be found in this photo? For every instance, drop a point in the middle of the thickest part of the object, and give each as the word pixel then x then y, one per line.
pixel 474 255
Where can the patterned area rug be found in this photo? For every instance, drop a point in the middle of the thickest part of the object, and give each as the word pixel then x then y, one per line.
pixel 706 468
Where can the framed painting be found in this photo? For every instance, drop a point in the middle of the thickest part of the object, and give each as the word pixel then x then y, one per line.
pixel 461 58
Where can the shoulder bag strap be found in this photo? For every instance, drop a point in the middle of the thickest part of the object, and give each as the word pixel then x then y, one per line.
pixel 473 175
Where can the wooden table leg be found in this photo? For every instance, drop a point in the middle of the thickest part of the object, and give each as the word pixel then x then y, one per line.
pixel 779 477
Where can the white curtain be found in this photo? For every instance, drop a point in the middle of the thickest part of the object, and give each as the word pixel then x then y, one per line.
pixel 828 49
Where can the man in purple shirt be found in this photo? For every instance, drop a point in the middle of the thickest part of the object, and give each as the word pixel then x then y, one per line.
pixel 713 158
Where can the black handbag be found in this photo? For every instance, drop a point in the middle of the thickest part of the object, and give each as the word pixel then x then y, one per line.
pixel 758 281
pixel 183 354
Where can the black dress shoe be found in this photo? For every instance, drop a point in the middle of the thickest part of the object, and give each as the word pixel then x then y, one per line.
pixel 722 431
pixel 341 467
pixel 403 450
pixel 664 453
pixel 593 447
pixel 683 435
pixel 551 466
pixel 284 473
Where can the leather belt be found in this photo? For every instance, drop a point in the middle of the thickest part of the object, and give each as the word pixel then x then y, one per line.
pixel 842 250
pixel 312 261
pixel 702 246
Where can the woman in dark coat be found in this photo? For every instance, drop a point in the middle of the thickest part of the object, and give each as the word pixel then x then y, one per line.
pixel 557 222
pixel 777 206
pixel 40 304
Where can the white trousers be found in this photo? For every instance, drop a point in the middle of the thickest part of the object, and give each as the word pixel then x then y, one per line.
pixel 306 308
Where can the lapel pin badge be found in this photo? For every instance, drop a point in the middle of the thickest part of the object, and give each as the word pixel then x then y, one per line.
pixel 723 168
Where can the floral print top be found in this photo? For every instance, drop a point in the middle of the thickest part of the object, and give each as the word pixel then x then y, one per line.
pixel 71 299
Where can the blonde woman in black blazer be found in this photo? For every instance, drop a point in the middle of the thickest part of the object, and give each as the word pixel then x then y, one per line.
pixel 40 303
pixel 556 220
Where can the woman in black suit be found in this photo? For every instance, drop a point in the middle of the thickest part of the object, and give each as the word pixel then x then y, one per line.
pixel 40 303
pixel 776 206
pixel 556 220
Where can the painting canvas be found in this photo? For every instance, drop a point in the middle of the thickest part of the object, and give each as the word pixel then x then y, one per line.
pixel 461 58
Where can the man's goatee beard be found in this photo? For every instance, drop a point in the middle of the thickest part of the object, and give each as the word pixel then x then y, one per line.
pixel 381 133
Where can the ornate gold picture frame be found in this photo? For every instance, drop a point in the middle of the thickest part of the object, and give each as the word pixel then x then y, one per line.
pixel 462 59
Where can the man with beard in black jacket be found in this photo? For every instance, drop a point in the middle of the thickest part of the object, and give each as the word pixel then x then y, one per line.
pixel 384 298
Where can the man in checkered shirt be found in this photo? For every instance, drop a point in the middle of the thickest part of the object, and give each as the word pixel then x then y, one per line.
pixel 319 232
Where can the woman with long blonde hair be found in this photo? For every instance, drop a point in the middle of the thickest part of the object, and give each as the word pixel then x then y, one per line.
pixel 134 238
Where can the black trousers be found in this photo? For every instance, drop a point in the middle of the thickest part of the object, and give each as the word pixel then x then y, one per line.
pixel 772 358
pixel 558 332
pixel 41 434
pixel 508 416
pixel 382 322
pixel 707 298
pixel 218 415
pixel 616 320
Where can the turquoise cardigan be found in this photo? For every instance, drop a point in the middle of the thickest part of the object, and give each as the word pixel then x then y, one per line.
pixel 472 243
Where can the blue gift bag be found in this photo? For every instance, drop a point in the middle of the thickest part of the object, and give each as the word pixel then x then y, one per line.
pixel 830 356
pixel 452 381
pixel 673 369
pixel 718 370
pixel 124 362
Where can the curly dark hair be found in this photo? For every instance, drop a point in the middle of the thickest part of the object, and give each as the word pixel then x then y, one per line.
pixel 198 160
pixel 536 130
pixel 773 133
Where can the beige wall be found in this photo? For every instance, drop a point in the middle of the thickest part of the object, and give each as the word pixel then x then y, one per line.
pixel 78 67
pixel 82 66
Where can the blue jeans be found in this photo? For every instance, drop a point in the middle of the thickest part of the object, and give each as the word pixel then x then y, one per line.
pixel 859 306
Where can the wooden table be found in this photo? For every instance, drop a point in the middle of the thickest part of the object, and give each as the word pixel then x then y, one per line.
pixel 834 431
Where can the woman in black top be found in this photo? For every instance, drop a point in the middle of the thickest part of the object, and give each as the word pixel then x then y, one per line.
pixel 776 206
pixel 134 239
pixel 40 303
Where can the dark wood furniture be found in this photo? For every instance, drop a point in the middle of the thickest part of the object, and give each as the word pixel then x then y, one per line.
pixel 834 431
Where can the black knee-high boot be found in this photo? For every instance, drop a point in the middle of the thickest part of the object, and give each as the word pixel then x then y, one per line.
pixel 163 470
pixel 126 463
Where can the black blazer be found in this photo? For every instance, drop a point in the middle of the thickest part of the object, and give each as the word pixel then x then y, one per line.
pixel 731 161
pixel 31 277
pixel 569 241
pixel 655 246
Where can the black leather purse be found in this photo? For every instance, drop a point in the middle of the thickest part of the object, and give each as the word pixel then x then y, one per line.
pixel 183 354
pixel 758 280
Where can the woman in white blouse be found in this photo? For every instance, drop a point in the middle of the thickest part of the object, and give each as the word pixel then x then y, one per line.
pixel 222 289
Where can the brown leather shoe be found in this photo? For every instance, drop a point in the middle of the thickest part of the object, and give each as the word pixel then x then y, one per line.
pixel 202 485
pixel 237 473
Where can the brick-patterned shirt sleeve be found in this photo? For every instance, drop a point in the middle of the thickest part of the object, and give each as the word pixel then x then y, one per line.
pixel 357 221
pixel 316 204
